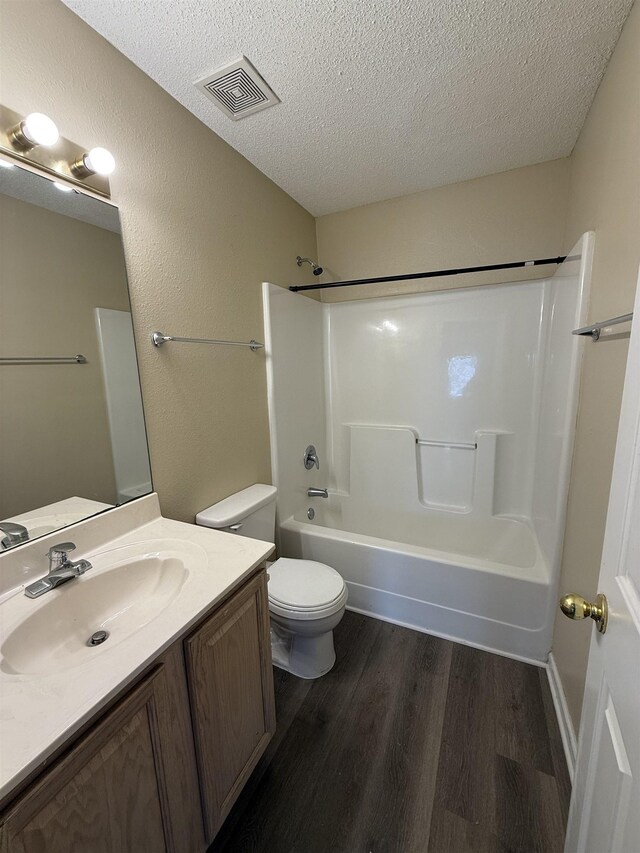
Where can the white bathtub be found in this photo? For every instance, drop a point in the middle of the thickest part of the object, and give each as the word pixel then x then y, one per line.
pixel 479 581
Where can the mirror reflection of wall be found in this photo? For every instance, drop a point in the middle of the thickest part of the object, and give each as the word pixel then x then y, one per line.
pixel 72 437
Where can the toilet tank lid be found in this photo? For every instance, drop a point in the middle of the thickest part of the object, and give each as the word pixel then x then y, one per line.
pixel 237 506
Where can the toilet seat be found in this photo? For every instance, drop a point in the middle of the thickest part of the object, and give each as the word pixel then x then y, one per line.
pixel 305 589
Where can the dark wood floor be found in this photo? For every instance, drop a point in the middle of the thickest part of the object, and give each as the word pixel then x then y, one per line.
pixel 410 744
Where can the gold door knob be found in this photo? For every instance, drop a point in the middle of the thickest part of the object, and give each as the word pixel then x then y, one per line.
pixel 576 607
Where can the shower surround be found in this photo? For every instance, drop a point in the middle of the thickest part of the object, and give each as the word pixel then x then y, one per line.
pixel 444 424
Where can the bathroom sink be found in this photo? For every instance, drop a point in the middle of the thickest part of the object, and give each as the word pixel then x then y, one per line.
pixel 126 589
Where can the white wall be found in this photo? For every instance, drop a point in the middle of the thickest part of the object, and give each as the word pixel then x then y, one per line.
pixel 296 393
pixel 566 306
pixel 447 365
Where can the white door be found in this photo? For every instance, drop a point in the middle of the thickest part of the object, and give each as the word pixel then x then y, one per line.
pixel 605 805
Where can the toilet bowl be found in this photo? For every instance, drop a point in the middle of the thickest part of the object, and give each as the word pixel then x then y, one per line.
pixel 307 599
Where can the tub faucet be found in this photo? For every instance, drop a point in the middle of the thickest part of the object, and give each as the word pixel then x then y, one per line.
pixel 14 534
pixel 317 493
pixel 61 570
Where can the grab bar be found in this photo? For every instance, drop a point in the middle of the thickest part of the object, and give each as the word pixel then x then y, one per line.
pixel 458 445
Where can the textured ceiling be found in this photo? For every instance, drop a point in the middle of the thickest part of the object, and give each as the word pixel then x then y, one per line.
pixel 380 97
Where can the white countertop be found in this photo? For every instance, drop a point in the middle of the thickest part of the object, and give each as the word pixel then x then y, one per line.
pixel 38 713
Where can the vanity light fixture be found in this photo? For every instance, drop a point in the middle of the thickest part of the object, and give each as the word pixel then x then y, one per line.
pixel 98 161
pixel 33 141
pixel 35 129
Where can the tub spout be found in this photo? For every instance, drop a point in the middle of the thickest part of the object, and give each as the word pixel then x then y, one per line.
pixel 317 493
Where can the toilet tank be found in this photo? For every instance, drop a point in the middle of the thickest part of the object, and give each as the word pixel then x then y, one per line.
pixel 253 510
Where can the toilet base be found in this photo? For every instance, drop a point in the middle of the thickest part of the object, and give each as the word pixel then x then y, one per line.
pixel 306 655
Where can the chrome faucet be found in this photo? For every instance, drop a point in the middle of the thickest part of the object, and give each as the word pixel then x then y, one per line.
pixel 61 570
pixel 14 534
pixel 317 493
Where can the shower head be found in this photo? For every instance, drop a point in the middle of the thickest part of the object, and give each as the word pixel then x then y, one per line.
pixel 316 269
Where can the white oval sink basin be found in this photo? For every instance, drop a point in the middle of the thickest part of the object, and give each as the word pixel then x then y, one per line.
pixel 126 589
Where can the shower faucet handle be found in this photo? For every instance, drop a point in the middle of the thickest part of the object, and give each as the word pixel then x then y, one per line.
pixel 311 458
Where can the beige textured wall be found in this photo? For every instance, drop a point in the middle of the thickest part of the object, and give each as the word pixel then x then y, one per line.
pixel 604 196
pixel 202 229
pixel 54 432
pixel 510 216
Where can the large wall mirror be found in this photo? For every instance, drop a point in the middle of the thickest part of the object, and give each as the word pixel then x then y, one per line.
pixel 72 434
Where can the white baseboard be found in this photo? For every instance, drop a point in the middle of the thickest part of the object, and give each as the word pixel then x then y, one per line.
pixel 567 732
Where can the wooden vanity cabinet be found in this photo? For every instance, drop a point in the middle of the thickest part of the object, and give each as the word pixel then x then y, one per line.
pixel 94 799
pixel 132 784
pixel 232 704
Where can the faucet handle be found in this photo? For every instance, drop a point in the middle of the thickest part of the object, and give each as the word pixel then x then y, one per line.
pixel 14 534
pixel 60 552
pixel 311 458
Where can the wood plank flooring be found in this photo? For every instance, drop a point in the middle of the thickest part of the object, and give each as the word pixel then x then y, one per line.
pixel 411 744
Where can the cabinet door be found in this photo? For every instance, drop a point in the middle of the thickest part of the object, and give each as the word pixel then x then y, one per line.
pixel 232 705
pixel 107 795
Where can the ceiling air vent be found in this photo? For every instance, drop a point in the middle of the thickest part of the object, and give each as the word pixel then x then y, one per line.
pixel 238 89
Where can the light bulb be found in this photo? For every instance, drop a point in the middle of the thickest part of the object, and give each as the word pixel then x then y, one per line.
pixel 39 129
pixel 99 161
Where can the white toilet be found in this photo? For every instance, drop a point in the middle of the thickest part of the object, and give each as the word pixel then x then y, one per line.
pixel 306 599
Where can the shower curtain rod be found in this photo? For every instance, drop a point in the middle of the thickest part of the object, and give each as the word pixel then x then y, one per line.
pixel 432 274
